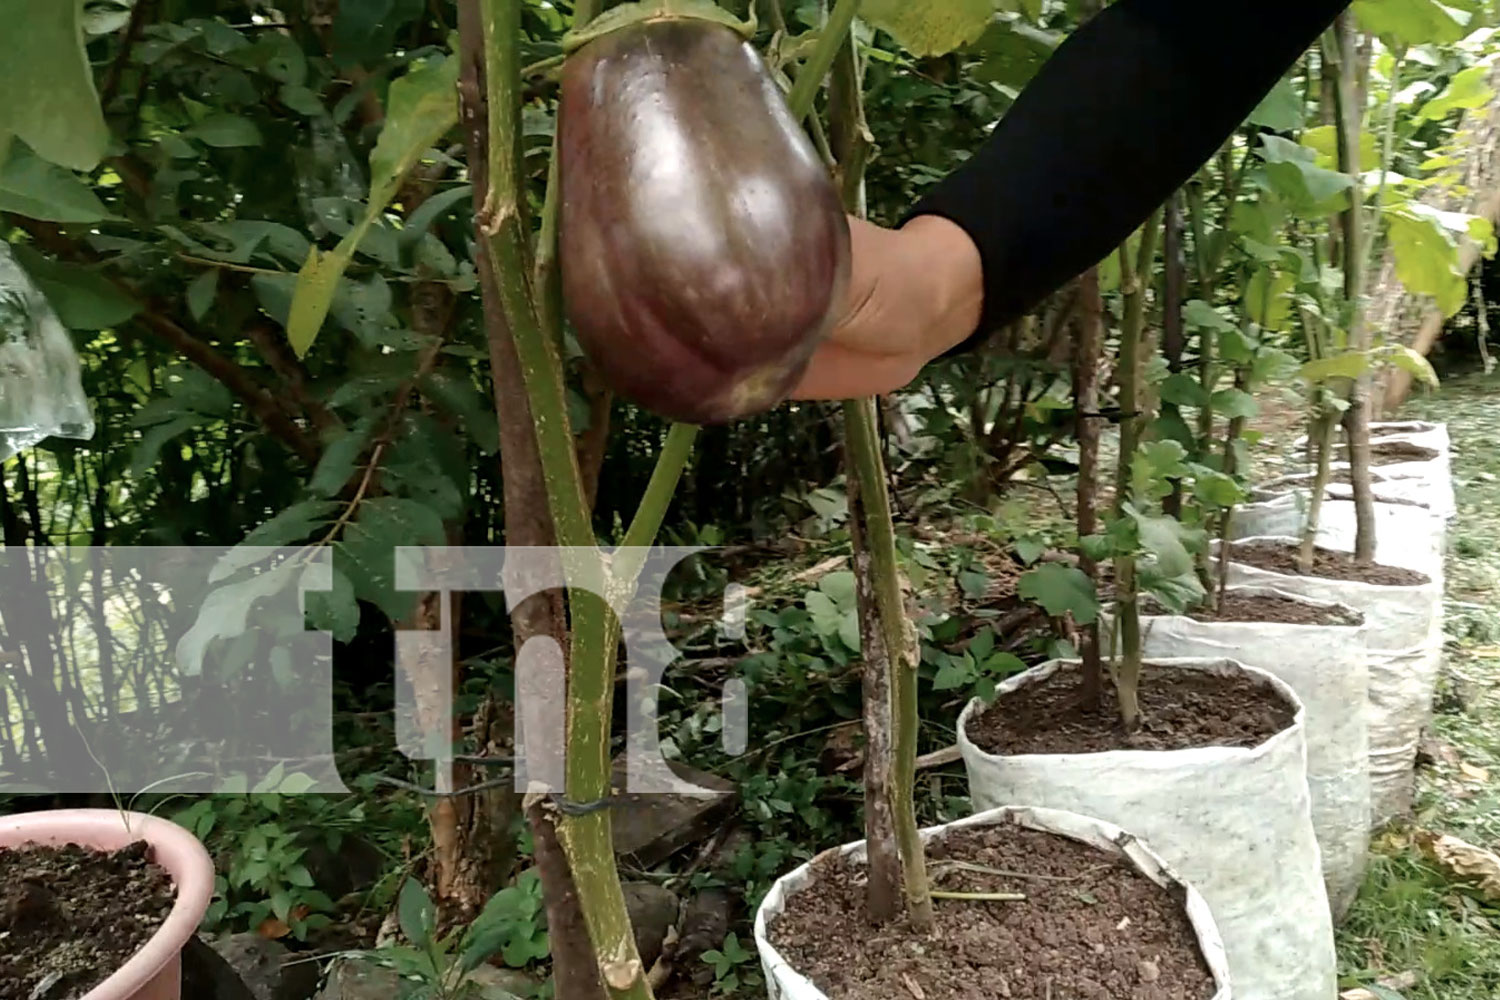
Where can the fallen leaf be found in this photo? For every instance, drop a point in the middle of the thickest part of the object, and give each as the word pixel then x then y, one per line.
pixel 273 929
pixel 913 986
pixel 1404 981
pixel 1465 861
pixel 1473 772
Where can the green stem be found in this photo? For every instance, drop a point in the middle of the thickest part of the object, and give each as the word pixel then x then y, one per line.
pixel 1132 422
pixel 835 32
pixel 1323 430
pixel 586 839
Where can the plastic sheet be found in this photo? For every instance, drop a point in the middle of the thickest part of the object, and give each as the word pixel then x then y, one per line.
pixel 41 392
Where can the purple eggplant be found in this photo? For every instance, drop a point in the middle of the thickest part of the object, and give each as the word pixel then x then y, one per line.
pixel 704 249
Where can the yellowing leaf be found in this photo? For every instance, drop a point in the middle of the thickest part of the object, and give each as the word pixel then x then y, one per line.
pixel 1467 90
pixel 423 106
pixel 1350 364
pixel 1268 298
pixel 50 100
pixel 1325 140
pixel 316 284
pixel 1427 260
pixel 930 27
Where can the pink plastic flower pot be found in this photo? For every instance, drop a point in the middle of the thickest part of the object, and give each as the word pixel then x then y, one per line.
pixel 154 972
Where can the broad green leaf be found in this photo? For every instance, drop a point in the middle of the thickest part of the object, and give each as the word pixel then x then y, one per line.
pixel 381 526
pixel 1427 260
pixel 1235 403
pixel 1324 140
pixel 225 131
pixel 50 101
pixel 840 587
pixel 1216 490
pixel 1412 22
pixel 1469 89
pixel 340 458
pixel 83 298
pixel 1350 364
pixel 421 107
pixel 226 610
pixel 1167 541
pixel 1295 176
pixel 32 187
pixel 202 292
pixel 416 914
pixel 1268 298
pixel 1199 314
pixel 335 611
pixel 1182 389
pixel 1280 110
pixel 148 452
pixel 1411 362
pixel 930 27
pixel 1061 590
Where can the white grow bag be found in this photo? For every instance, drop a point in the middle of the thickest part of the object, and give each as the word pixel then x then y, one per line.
pixel 1405 536
pixel 1234 822
pixel 1404 633
pixel 1429 480
pixel 785 983
pixel 1326 665
pixel 1398 491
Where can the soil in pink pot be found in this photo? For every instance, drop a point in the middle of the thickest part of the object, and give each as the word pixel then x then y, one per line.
pixel 70 916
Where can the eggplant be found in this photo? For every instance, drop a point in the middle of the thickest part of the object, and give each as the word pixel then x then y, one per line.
pixel 703 245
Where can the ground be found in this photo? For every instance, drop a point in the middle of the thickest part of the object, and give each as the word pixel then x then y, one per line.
pixel 1413 916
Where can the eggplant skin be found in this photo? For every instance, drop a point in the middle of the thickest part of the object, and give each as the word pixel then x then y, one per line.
pixel 703 246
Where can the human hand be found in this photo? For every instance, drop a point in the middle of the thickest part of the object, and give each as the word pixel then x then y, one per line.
pixel 914 292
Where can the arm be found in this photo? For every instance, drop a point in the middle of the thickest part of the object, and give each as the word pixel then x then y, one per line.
pixel 1127 110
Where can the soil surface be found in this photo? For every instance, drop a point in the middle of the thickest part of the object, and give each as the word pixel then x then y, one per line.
pixel 70 916
pixel 1402 451
pixel 1281 558
pixel 1091 928
pixel 1181 710
pixel 1241 607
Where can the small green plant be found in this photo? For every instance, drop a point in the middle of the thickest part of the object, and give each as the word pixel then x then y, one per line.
pixel 729 964
pixel 436 966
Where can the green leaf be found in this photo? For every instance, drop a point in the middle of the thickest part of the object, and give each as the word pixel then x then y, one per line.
pixel 1268 298
pixel 1469 89
pixel 1061 590
pixel 1216 490
pixel 421 107
pixel 1349 364
pixel 1411 362
pixel 1235 403
pixel 1167 541
pixel 82 297
pixel 840 586
pixel 1427 260
pixel 146 454
pixel 1293 174
pixel 225 131
pixel 974 584
pixel 952 675
pixel 335 611
pixel 202 292
pixel 50 101
pixel 930 27
pixel 32 187
pixel 1324 140
pixel 1280 110
pixel 1412 22
pixel 382 525
pixel 416 914
pixel 1200 315
pixel 340 458
pixel 1182 389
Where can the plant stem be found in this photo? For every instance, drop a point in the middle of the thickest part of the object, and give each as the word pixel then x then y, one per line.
pixel 832 38
pixel 1133 282
pixel 1086 407
pixel 864 447
pixel 1322 432
pixel 981 897
pixel 1357 418
pixel 587 839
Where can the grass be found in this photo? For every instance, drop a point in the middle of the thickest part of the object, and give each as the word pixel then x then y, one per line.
pixel 1412 915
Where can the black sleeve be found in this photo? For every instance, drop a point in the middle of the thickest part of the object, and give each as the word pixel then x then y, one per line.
pixel 1126 110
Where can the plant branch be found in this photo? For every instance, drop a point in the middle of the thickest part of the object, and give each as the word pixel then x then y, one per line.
pixel 834 34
